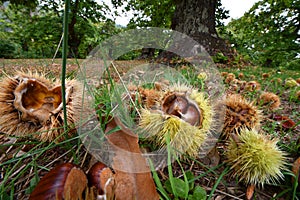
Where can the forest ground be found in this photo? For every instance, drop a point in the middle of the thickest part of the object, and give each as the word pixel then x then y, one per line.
pixel 226 188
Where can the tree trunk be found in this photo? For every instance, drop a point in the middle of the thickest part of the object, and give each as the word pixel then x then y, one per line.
pixel 74 40
pixel 196 18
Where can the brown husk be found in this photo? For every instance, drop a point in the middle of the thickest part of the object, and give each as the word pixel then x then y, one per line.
pixel 30 104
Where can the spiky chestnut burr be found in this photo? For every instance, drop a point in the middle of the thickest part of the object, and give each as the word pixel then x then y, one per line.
pixel 254 158
pixel 270 100
pixel 252 86
pixel 30 104
pixel 252 77
pixel 185 114
pixel 224 74
pixel 241 76
pixel 230 77
pixel 145 97
pixel 239 114
pixel 266 75
pixel 290 83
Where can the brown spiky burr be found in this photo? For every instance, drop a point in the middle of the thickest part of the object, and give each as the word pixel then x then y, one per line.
pixel 265 75
pixel 241 75
pixel 230 77
pixel 269 100
pixel 252 86
pixel 31 104
pixel 239 114
pixel 224 74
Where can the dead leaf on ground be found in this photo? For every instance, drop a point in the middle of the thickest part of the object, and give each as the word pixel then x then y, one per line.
pixel 132 174
pixel 214 157
pixel 286 122
pixel 250 191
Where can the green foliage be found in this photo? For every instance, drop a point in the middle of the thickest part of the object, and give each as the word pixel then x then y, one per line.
pixel 221 14
pixel 198 194
pixel 35 31
pixel 269 33
pixel 177 187
pixel 148 13
pixel 27 3
pixel 220 58
pixel 180 190
pixel 7 49
pixel 131 55
pixel 94 34
pixel 159 13
pixel 37 34
pixel 36 26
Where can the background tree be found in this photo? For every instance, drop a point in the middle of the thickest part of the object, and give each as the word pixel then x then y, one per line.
pixel 33 33
pixel 194 18
pixel 269 34
pixel 197 18
pixel 36 26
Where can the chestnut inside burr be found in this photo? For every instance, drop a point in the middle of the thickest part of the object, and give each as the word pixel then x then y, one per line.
pixel 179 105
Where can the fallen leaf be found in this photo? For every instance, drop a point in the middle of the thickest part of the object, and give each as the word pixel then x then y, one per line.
pixel 219 197
pixel 279 117
pixel 132 174
pixel 250 192
pixel 214 157
pixel 286 122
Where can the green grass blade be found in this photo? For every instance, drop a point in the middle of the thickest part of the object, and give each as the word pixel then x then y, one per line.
pixel 217 183
pixel 159 185
pixel 64 62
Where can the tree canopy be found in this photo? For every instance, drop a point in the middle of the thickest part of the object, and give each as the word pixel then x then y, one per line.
pixel 269 33
pixel 34 28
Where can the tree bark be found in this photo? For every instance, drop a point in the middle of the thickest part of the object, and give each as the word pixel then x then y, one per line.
pixel 196 18
pixel 74 40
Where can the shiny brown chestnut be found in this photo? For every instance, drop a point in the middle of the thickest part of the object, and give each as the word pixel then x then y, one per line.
pixel 101 177
pixel 65 181
pixel 179 105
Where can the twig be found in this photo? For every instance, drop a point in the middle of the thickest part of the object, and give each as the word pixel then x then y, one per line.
pixel 126 89
pixel 234 197
pixel 85 155
pixel 263 193
pixel 76 153
pixel 11 142
pixel 17 171
pixel 32 174
pixel 61 39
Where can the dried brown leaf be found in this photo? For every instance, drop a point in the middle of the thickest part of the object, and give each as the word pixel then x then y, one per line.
pixel 286 122
pixel 132 174
pixel 214 157
pixel 250 192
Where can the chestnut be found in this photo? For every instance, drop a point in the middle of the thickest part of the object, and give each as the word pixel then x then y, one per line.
pixel 65 181
pixel 101 177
